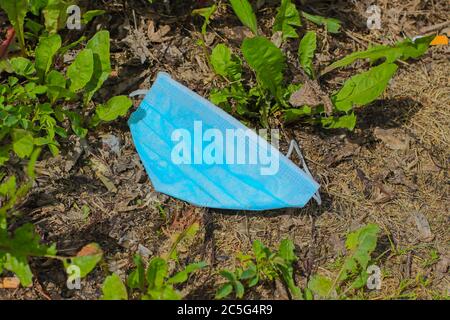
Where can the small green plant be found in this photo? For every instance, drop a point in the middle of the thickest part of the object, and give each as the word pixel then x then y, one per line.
pixel 157 281
pixel 270 95
pixel 37 104
pixel 353 272
pixel 32 99
pixel 262 265
pixel 18 246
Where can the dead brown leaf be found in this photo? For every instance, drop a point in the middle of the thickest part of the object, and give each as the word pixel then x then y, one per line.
pixel 393 139
pixel 423 226
pixel 311 94
pixel 157 36
pixel 9 283
pixel 305 96
pixel 89 250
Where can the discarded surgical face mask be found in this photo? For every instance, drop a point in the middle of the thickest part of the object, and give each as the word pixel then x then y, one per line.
pixel 196 152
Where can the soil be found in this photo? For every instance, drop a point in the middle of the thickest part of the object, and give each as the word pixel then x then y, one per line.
pixel 391 170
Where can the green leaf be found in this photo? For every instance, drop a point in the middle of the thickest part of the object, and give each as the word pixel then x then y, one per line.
pixel 99 44
pixel 224 291
pixel 243 9
pixel 86 263
pixel 346 122
pixel 23 143
pixel 80 72
pixel 365 87
pixel 23 67
pixel 19 265
pixel 206 13
pixel 360 245
pixel 287 19
pixel 114 108
pixel 291 115
pixel 332 25
pixel 230 276
pixel 8 188
pixel 56 87
pixel 286 251
pixel 401 51
pixel 183 275
pixel 156 273
pixel 89 15
pixel 45 51
pixel 37 5
pixel 306 51
pixel 136 279
pixel 16 11
pixel 225 63
pixel 25 242
pixel 55 14
pixel 114 289
pixel 239 289
pixel 320 285
pixel 268 62
pixel 76 123
pixel 4 154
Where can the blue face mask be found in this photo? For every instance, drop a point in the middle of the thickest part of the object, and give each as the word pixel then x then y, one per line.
pixel 196 152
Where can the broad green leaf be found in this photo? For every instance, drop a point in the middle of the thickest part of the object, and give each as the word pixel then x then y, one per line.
pixel 23 67
pixel 114 108
pixel 225 63
pixel 99 44
pixel 287 19
pixel 332 25
pixel 205 13
pixel 306 51
pixel 224 291
pixel 183 275
pixel 56 79
pixel 136 279
pixel 56 87
pixel 37 5
pixel 23 143
pixel 156 273
pixel 402 50
pixel 244 11
pixel 230 276
pixel 87 262
pixel 19 265
pixel 76 123
pixel 166 292
pixel 4 154
pixel 81 71
pixel 45 51
pixel 286 251
pixel 268 62
pixel 291 115
pixel 89 15
pixel 8 187
pixel 365 87
pixel 16 11
pixel 239 289
pixel 55 14
pixel 24 243
pixel 320 285
pixel 114 289
pixel 346 122
pixel 360 245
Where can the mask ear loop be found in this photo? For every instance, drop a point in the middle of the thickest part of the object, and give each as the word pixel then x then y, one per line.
pixel 136 93
pixel 294 146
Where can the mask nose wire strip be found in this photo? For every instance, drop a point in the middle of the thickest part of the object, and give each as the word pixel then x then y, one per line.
pixel 294 146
